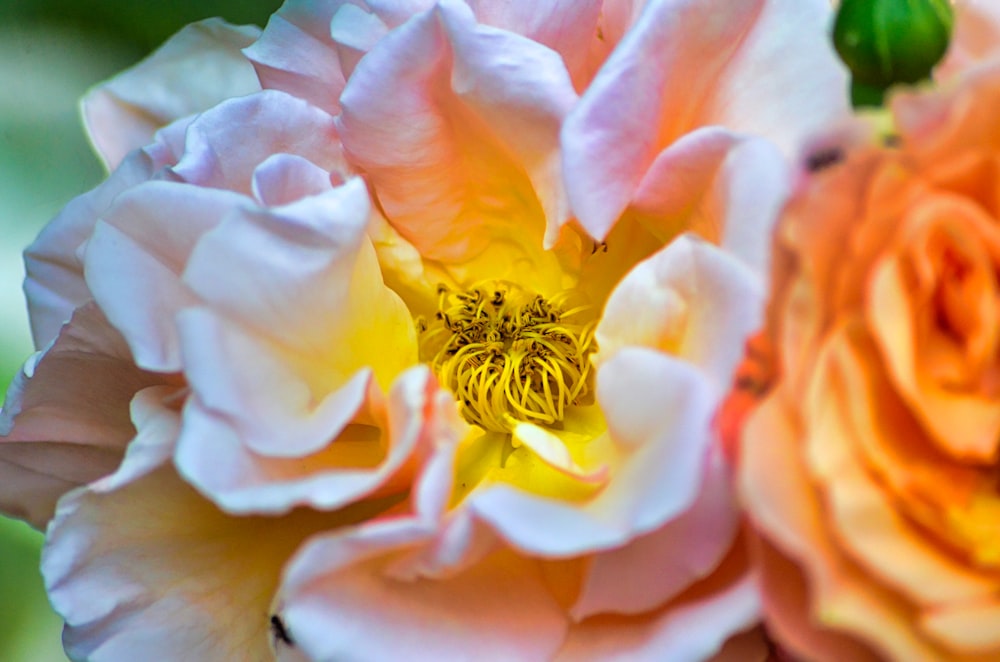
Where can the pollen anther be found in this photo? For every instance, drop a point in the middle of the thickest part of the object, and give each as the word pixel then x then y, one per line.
pixel 509 355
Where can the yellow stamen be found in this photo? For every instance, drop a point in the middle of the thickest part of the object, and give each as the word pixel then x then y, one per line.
pixel 508 355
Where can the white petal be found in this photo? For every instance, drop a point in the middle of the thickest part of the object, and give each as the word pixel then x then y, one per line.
pixel 218 153
pixel 692 300
pixel 135 258
pixel 193 70
pixel 281 179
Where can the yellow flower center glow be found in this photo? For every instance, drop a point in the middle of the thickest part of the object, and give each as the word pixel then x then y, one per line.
pixel 510 355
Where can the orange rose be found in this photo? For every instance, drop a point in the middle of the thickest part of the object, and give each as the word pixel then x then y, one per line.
pixel 870 469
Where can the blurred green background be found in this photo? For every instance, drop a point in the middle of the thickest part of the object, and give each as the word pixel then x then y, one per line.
pixel 51 51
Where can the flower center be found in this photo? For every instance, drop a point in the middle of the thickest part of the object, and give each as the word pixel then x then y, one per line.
pixel 510 355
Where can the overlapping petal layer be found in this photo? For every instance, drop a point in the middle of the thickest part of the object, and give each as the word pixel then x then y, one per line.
pixel 194 70
pixel 685 75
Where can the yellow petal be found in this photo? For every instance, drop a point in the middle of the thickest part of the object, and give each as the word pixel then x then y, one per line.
pixel 549 447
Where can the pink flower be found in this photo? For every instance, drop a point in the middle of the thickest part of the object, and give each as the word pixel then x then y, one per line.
pixel 424 345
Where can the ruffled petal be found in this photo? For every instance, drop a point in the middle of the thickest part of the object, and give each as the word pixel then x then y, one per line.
pixel 726 188
pixel 863 519
pixel 466 155
pixel 356 31
pixel 218 154
pixel 658 411
pixel 197 585
pixel 195 69
pixel 694 630
pixel 684 65
pixel 569 28
pixel 65 421
pixel 295 53
pixel 282 179
pixel 789 616
pixel 305 277
pixel 376 447
pixel 246 384
pixel 135 257
pixel 343 593
pixel 965 423
pixel 658 566
pixel 692 300
pixel 673 189
pixel 786 509
pixel 566 26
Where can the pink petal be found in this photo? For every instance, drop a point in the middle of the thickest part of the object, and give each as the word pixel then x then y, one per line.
pixel 684 65
pixel 728 189
pixel 295 53
pixel 432 488
pixel 565 26
pixel 135 258
pixel 617 16
pixel 679 178
pixel 396 12
pixel 340 603
pixel 195 69
pixel 356 32
pixel 811 86
pixel 218 154
pixel 351 464
pixel 656 567
pixel 65 421
pixel 693 631
pixel 461 542
pixel 139 562
pixel 466 151
pixel 748 195
pixel 248 385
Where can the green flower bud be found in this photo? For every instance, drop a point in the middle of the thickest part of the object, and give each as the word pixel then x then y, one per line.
pixel 884 42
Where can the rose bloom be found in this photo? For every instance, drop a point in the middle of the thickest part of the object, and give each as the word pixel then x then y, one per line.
pixel 869 470
pixel 397 330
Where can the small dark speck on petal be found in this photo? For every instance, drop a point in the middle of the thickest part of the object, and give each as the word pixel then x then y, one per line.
pixel 824 158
